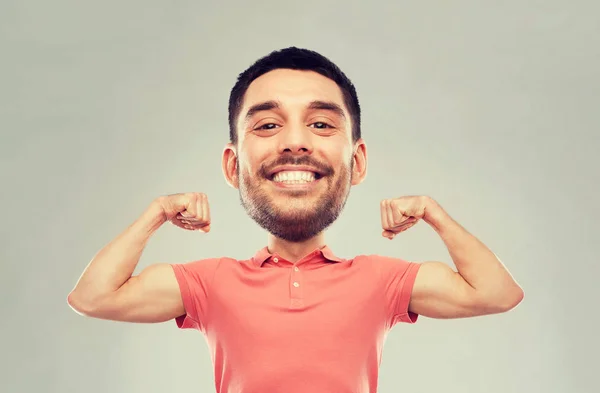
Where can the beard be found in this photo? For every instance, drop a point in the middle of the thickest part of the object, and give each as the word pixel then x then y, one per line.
pixel 295 219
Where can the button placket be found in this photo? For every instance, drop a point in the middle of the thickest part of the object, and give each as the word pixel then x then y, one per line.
pixel 296 287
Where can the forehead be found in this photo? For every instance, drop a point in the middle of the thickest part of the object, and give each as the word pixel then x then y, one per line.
pixel 292 88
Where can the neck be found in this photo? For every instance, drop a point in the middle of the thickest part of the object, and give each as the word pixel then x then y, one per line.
pixel 293 252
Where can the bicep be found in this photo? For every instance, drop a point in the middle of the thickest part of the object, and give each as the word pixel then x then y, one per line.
pixel 440 292
pixel 151 296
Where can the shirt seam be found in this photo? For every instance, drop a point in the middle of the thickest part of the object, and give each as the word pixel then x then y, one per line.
pixel 403 288
pixel 193 304
pixel 209 293
pixel 188 293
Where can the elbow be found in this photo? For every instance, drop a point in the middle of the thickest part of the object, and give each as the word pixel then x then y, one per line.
pixel 80 305
pixel 515 298
pixel 509 300
pixel 74 301
pixel 500 302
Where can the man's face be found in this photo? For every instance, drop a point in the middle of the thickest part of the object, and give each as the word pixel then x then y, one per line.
pixel 295 156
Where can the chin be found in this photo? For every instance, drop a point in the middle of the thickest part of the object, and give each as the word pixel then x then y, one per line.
pixel 290 209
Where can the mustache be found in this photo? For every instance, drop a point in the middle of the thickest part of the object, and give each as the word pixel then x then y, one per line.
pixel 325 169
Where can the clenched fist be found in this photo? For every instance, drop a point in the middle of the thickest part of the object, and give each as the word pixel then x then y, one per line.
pixel 399 214
pixel 187 210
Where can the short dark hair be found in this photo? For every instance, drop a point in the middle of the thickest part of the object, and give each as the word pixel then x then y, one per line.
pixel 295 59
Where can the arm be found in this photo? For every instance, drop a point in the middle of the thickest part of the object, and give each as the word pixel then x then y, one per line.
pixel 481 286
pixel 107 289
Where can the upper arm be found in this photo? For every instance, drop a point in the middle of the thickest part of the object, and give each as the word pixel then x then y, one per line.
pixel 440 292
pixel 151 296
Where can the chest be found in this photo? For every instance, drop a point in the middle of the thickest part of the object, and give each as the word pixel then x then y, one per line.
pixel 326 307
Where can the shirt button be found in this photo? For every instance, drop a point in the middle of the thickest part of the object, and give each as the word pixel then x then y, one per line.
pixel 296 284
pixel 275 260
pixel 296 268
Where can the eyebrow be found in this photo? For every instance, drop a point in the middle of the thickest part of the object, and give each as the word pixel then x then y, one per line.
pixel 328 106
pixel 263 106
pixel 271 105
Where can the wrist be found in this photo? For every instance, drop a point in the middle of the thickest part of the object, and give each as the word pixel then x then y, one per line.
pixel 153 217
pixel 435 215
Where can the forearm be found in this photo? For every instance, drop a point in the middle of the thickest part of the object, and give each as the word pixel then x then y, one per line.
pixel 475 262
pixel 112 266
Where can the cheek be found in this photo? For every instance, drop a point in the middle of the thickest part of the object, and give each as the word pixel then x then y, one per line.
pixel 345 160
pixel 249 171
pixel 245 165
pixel 252 156
pixel 340 153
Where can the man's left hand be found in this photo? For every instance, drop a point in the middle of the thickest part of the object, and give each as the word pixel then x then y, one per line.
pixel 399 214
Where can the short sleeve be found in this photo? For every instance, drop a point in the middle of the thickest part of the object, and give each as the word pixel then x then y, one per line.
pixel 397 279
pixel 195 279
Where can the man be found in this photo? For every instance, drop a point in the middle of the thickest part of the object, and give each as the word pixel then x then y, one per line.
pixel 294 317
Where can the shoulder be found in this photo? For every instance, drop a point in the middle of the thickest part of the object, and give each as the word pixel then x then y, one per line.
pixel 386 267
pixel 381 261
pixel 200 266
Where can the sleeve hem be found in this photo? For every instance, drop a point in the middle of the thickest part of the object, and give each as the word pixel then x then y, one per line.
pixel 405 295
pixel 183 321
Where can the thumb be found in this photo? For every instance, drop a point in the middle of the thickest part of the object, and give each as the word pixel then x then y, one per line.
pixel 389 234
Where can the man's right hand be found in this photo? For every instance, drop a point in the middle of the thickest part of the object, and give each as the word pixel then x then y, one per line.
pixel 187 210
pixel 108 290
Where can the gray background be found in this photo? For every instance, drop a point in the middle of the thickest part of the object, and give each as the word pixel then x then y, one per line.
pixel 489 107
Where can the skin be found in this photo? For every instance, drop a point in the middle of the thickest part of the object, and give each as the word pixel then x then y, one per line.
pixel 291 133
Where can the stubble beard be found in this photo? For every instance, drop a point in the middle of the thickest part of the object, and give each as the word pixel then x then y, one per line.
pixel 295 221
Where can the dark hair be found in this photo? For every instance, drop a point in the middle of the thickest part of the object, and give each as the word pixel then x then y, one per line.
pixel 295 59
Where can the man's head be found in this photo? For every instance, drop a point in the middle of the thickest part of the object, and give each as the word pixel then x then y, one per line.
pixel 295 142
pixel 294 59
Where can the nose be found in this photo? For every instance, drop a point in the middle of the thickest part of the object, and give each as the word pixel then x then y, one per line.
pixel 295 139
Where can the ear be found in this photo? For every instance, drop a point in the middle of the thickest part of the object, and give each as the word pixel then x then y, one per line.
pixel 230 165
pixel 359 171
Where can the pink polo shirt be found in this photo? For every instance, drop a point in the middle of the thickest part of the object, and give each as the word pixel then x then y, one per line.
pixel 314 326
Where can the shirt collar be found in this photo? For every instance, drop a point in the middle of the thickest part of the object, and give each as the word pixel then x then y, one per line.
pixel 325 252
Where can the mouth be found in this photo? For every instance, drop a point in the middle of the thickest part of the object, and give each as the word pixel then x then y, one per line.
pixel 295 176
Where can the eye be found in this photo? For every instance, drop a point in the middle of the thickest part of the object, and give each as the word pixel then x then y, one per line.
pixel 267 126
pixel 320 125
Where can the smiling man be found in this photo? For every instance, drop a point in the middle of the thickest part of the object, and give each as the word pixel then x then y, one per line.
pixel 294 317
pixel 293 153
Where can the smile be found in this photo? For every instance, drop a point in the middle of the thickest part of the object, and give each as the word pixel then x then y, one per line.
pixel 295 179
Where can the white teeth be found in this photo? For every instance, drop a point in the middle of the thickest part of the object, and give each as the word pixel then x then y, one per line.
pixel 294 177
